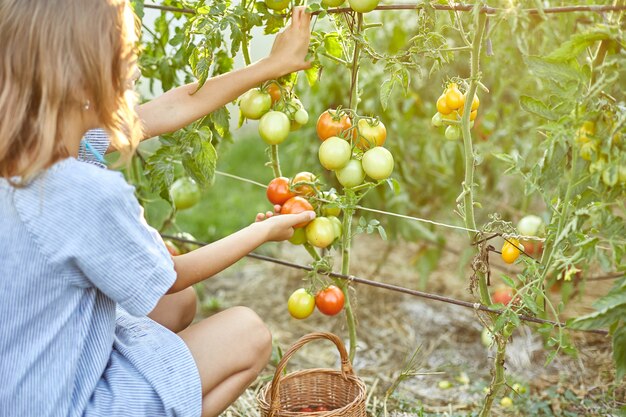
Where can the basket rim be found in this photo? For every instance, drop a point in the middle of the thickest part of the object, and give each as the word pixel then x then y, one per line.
pixel 264 392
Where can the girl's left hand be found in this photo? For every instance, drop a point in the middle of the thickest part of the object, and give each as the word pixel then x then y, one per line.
pixel 262 216
pixel 292 44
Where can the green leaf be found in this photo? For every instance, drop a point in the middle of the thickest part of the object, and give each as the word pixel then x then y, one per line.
pixel 332 45
pixel 508 281
pixel 577 44
pixel 536 107
pixel 312 74
pixel 559 72
pixel 599 319
pixel 619 352
pixel 385 92
pixel 200 159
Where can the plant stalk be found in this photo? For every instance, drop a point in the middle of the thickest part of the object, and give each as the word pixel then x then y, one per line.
pixel 346 243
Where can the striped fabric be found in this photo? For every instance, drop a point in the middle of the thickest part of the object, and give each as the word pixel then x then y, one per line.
pixel 99 139
pixel 73 247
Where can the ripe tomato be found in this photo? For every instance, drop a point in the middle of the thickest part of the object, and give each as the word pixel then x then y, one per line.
pixel 301 304
pixel 274 127
pixel 296 205
pixel 255 103
pixel 320 232
pixel 334 153
pixel 453 132
pixel 185 193
pixel 351 175
pixel 304 189
pixel 502 295
pixel 273 90
pixel 299 237
pixel 510 251
pixel 442 106
pixel 330 300
pixel 332 3
pixel 475 102
pixel 454 97
pixel 337 226
pixel 371 133
pixel 278 190
pixel 378 163
pixel 277 5
pixel 363 6
pixel 330 124
pixel 532 247
pixel 330 209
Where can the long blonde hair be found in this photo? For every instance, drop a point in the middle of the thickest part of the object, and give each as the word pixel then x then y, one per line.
pixel 55 54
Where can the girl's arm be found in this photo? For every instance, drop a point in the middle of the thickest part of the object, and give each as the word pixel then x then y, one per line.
pixel 183 105
pixel 207 261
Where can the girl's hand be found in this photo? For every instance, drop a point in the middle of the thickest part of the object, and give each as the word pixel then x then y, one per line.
pixel 292 44
pixel 280 227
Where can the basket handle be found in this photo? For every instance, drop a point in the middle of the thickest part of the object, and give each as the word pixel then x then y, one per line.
pixel 346 367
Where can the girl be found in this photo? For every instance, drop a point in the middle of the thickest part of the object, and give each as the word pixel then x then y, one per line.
pixel 74 244
pixel 180 106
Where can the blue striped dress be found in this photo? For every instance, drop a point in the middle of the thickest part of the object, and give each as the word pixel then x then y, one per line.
pixel 79 271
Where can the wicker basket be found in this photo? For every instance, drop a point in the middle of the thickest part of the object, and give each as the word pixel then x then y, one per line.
pixel 342 393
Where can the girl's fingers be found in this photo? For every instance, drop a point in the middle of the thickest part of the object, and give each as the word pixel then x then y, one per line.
pixel 268 214
pixel 277 208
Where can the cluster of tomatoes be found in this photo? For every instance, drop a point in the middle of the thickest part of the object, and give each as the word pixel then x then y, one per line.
pixel 450 106
pixel 329 301
pixel 589 142
pixel 353 152
pixel 276 108
pixel 361 6
pixel 292 195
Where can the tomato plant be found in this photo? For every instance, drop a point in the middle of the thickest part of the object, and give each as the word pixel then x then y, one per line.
pixel 330 300
pixel 301 304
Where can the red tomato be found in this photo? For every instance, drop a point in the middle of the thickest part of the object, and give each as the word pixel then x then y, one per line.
pixel 278 190
pixel 502 295
pixel 330 300
pixel 296 205
pixel 330 124
pixel 274 91
pixel 305 189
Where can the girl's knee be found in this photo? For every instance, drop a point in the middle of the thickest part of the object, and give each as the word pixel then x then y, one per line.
pixel 254 331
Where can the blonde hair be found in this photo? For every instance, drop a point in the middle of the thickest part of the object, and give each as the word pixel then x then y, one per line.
pixel 56 55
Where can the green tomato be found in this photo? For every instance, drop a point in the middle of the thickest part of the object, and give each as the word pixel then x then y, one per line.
pixel 610 175
pixel 363 6
pixel 337 226
pixel 185 193
pixel 453 132
pixel 378 163
pixel 299 236
pixel 301 117
pixel 531 225
pixel 334 153
pixel 320 232
pixel 486 337
pixel 255 103
pixel 351 175
pixel 277 5
pixel 301 304
pixel 437 121
pixel 274 127
pixel 506 402
pixel 330 209
pixel 332 3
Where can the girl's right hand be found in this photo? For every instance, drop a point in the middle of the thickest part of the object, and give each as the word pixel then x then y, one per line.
pixel 280 227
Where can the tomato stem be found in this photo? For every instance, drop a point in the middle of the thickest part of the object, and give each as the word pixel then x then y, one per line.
pixel 354 84
pixel 346 240
pixel 309 248
pixel 275 162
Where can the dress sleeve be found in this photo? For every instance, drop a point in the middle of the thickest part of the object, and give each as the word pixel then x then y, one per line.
pixel 99 231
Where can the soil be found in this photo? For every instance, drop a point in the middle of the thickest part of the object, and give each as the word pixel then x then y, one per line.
pixel 391 326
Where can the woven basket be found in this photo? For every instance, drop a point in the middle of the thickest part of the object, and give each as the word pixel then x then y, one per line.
pixel 342 393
